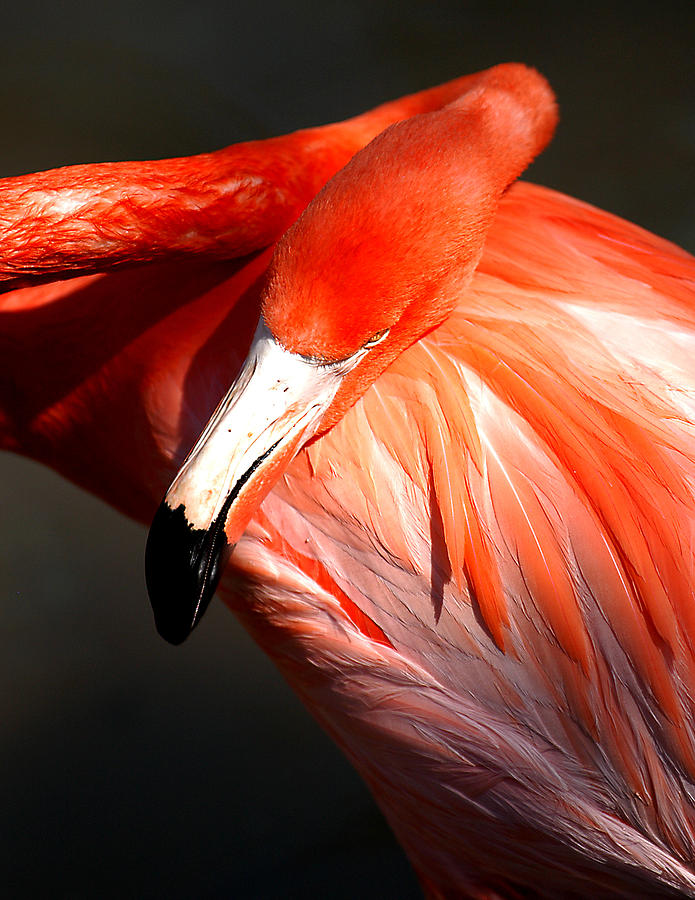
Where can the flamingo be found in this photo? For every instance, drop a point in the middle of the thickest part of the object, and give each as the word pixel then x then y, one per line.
pixel 450 490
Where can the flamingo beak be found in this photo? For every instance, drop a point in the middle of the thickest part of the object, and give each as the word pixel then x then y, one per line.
pixel 274 406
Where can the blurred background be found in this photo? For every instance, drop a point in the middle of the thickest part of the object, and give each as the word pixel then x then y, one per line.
pixel 129 768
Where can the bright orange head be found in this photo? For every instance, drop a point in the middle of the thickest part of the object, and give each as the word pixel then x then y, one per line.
pixel 389 244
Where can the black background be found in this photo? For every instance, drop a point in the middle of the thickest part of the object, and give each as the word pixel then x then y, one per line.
pixel 132 769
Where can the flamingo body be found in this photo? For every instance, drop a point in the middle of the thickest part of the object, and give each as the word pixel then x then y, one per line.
pixel 583 682
pixel 480 576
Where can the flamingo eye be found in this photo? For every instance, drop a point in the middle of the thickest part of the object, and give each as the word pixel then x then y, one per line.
pixel 376 339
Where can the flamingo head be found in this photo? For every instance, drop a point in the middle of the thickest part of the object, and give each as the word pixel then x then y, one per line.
pixel 379 258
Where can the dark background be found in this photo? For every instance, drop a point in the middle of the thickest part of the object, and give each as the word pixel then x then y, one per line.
pixel 132 769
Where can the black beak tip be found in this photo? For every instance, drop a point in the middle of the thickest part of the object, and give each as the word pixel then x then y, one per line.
pixel 182 568
pixel 170 631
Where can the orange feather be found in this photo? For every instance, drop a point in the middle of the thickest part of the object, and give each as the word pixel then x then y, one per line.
pixel 479 573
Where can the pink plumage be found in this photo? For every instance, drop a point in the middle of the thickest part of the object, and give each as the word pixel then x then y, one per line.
pixel 480 577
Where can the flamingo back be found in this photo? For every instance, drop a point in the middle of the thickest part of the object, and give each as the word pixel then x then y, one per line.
pixel 494 551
